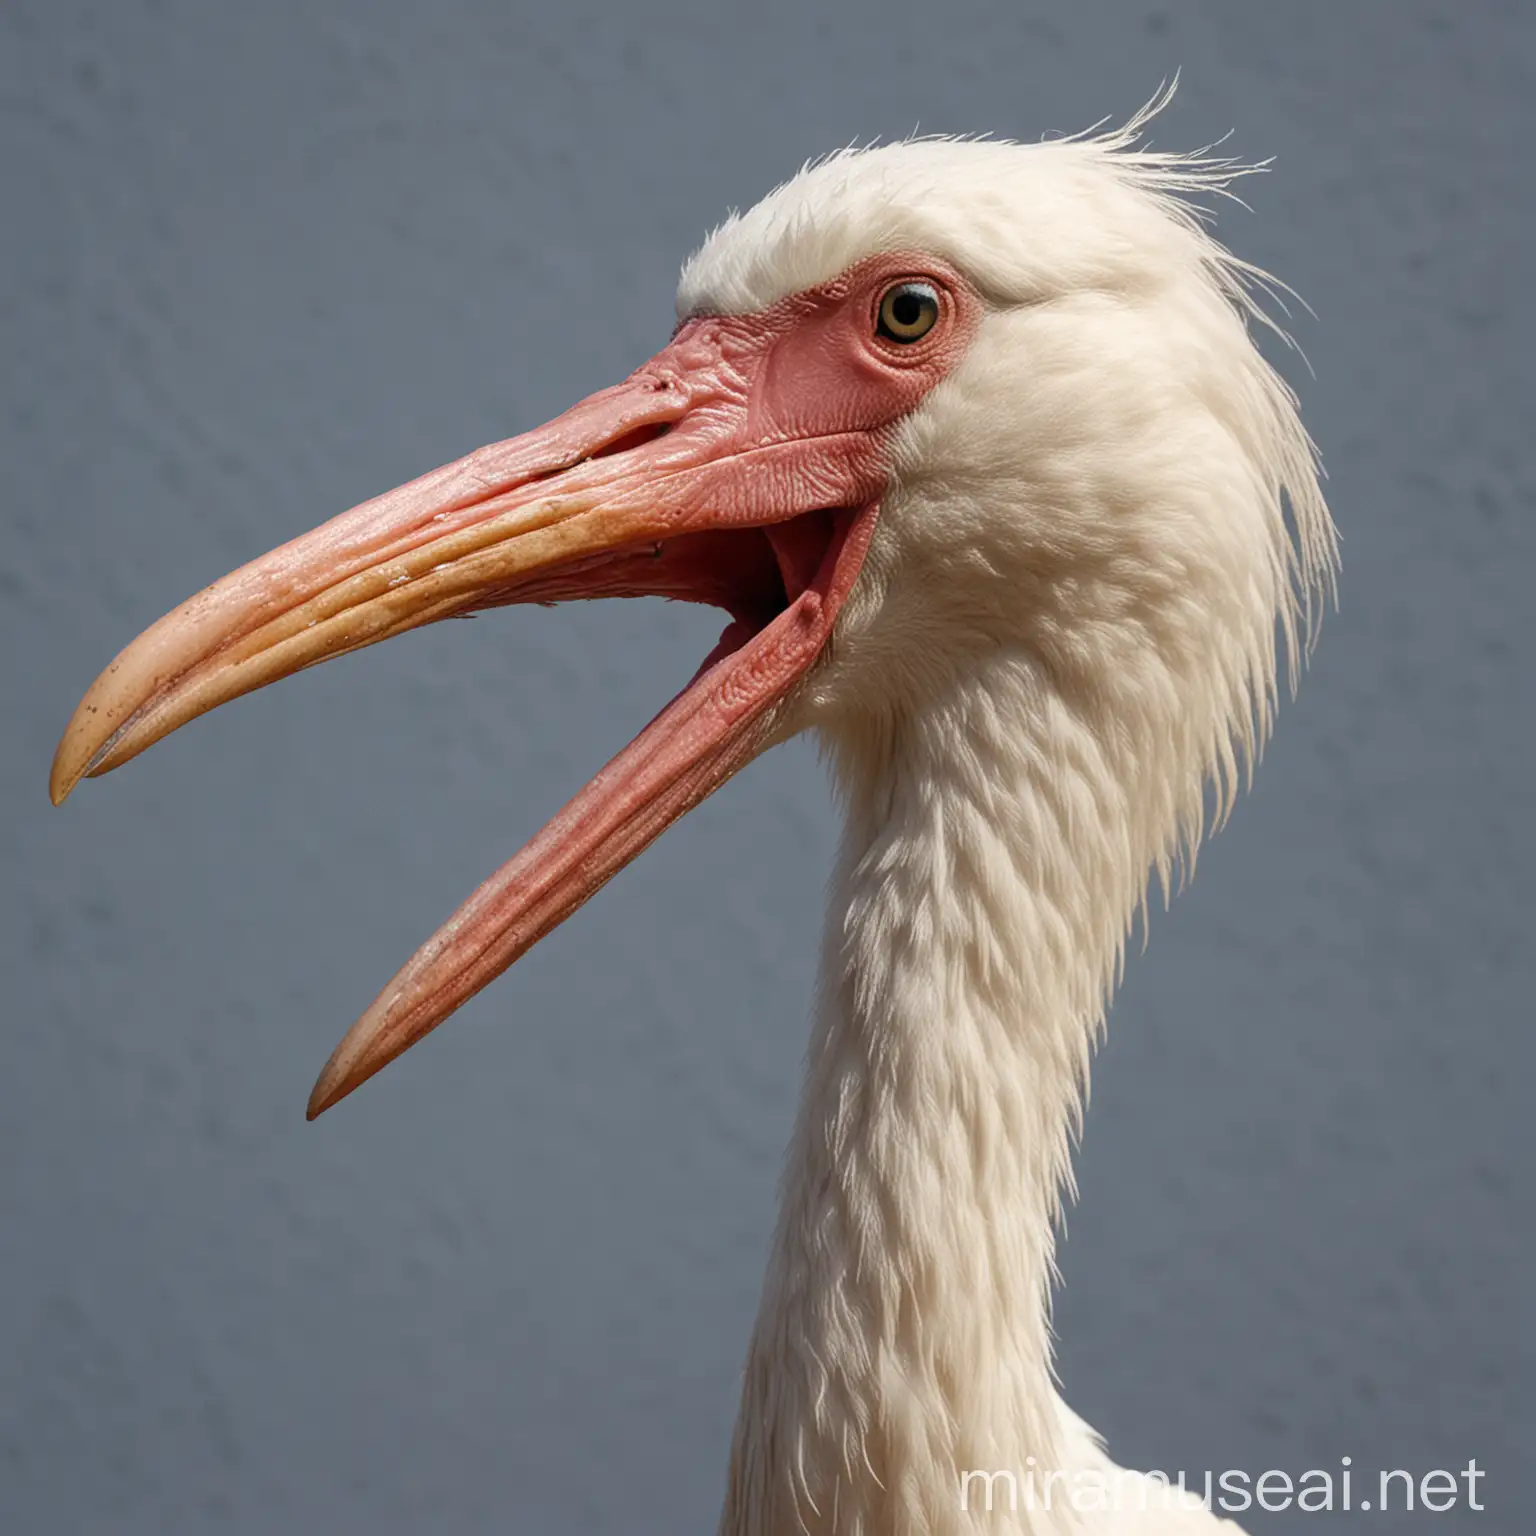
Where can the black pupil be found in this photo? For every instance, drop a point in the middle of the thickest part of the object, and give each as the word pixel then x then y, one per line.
pixel 907 308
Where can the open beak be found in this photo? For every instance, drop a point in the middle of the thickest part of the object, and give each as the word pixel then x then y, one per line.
pixel 698 478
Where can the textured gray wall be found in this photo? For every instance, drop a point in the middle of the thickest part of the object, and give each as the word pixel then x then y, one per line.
pixel 260 261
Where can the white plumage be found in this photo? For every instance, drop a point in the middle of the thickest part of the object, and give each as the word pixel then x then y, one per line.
pixel 1067 628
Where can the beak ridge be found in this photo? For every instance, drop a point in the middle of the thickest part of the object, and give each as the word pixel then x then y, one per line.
pixel 680 482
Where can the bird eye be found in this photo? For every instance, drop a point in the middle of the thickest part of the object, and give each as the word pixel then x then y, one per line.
pixel 908 312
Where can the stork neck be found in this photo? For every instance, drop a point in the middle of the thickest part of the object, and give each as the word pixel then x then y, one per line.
pixel 979 906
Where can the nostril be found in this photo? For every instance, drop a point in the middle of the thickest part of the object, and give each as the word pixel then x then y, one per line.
pixel 638 437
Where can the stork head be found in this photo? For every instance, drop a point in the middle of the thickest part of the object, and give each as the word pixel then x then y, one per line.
pixel 924 405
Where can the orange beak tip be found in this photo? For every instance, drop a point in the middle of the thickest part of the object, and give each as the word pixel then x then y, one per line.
pixel 60 779
pixel 330 1087
pixel 61 785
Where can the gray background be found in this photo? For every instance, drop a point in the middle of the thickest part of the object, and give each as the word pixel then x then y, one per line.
pixel 260 261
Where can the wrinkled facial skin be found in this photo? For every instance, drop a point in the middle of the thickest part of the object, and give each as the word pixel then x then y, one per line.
pixel 743 466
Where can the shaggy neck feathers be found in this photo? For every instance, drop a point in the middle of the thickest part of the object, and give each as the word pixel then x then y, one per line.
pixel 980 902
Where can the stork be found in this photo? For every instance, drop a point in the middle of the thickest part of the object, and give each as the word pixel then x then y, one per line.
pixel 973 443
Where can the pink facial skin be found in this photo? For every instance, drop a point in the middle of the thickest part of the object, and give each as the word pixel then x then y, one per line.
pixel 742 466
